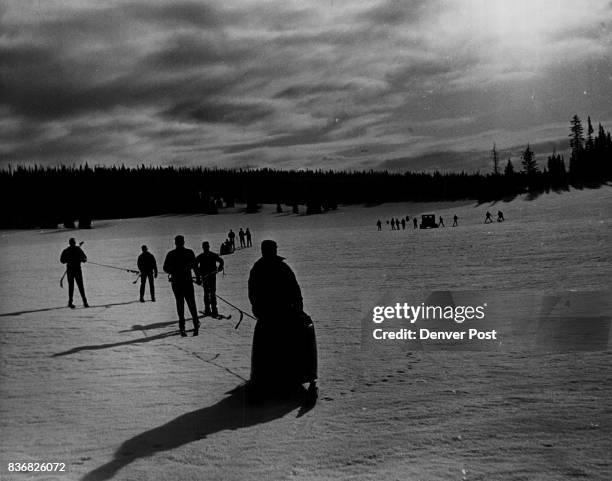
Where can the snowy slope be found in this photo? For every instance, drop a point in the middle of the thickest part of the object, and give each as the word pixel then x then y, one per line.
pixel 114 393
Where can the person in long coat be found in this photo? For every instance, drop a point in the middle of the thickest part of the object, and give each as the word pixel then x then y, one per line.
pixel 284 347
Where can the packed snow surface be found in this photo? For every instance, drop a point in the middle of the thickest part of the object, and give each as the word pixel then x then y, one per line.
pixel 115 393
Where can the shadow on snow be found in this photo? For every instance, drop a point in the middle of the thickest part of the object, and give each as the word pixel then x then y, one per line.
pixel 45 309
pixel 231 413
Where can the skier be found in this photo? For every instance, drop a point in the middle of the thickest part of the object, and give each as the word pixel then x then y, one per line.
pixel 488 218
pixel 179 263
pixel 441 222
pixel 147 265
pixel 392 223
pixel 500 216
pixel 284 347
pixel 206 269
pixel 379 224
pixel 73 256
pixel 403 224
pixel 232 238
pixel 455 220
pixel 248 237
pixel 241 236
pixel 415 222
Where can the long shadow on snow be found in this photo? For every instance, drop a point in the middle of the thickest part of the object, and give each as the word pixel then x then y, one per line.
pixel 45 309
pixel 230 413
pixel 97 347
pixel 146 327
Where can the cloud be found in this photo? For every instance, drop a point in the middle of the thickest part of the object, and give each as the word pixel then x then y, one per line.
pixel 347 84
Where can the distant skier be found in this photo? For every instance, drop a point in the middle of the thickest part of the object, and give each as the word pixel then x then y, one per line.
pixel 147 265
pixel 403 224
pixel 500 216
pixel 232 238
pixel 284 347
pixel 248 237
pixel 455 220
pixel 241 237
pixel 73 256
pixel 392 223
pixel 441 222
pixel 379 224
pixel 415 222
pixel 206 269
pixel 179 263
pixel 488 218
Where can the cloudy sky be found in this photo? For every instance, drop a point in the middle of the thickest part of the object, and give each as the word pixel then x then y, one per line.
pixel 398 84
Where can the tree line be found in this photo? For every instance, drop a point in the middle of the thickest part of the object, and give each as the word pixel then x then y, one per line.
pixel 45 197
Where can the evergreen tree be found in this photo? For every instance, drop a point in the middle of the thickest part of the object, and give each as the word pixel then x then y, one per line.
pixel 576 134
pixel 577 146
pixel 509 170
pixel 528 161
pixel 589 141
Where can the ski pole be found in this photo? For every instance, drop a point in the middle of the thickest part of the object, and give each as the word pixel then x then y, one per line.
pixel 242 313
pixel 115 267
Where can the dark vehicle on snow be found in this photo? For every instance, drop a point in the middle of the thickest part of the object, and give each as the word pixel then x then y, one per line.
pixel 428 221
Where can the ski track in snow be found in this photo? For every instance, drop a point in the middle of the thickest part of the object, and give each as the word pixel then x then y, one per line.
pixel 115 393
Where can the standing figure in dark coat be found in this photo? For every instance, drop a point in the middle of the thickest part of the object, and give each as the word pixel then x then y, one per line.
pixel 232 238
pixel 179 263
pixel 284 347
pixel 488 218
pixel 147 265
pixel 73 256
pixel 241 236
pixel 415 222
pixel 206 268
pixel 379 224
pixel 248 237
pixel 455 220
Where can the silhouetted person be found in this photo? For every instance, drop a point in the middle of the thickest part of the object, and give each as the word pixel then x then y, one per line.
pixel 283 355
pixel 206 268
pixel 248 237
pixel 441 222
pixel 232 238
pixel 73 256
pixel 488 218
pixel 392 223
pixel 500 216
pixel 179 263
pixel 415 222
pixel 379 224
pixel 455 220
pixel 403 224
pixel 147 265
pixel 241 237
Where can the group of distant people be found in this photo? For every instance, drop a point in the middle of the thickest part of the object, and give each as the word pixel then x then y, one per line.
pixel 489 217
pixel 400 224
pixel 229 245
pixel 284 347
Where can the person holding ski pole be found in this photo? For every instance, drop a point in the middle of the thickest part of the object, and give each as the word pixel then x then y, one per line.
pixel 73 256
pixel 178 264
pixel 206 275
pixel 147 265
